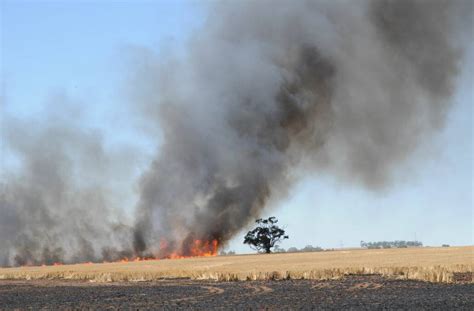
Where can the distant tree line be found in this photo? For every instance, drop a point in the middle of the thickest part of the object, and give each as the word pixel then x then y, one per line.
pixel 390 244
pixel 224 253
pixel 278 249
pixel 307 248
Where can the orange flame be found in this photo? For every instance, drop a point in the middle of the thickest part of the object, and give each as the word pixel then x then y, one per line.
pixel 198 248
pixel 205 249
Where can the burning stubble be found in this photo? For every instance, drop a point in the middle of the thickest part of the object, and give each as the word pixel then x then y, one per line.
pixel 264 89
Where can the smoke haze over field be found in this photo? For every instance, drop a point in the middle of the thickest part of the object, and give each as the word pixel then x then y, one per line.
pixel 62 204
pixel 264 89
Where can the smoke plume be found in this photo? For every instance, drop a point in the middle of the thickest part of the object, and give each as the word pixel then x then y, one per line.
pixel 265 90
pixel 349 88
pixel 60 204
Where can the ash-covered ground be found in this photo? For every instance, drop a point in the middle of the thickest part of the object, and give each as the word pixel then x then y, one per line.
pixel 352 292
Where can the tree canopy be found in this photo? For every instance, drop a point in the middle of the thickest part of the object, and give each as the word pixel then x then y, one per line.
pixel 266 235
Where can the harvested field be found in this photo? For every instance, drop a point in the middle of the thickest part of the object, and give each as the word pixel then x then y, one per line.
pixel 350 292
pixel 448 265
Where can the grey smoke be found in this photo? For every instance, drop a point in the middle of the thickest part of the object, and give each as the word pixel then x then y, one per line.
pixel 57 204
pixel 266 90
pixel 348 88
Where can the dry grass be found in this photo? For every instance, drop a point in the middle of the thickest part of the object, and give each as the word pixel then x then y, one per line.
pixel 427 264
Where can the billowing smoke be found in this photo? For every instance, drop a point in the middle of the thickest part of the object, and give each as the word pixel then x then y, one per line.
pixel 266 91
pixel 345 87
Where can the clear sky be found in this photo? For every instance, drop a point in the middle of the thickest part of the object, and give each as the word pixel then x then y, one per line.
pixel 81 48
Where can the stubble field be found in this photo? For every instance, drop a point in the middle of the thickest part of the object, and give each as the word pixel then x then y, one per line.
pixel 426 264
pixel 345 279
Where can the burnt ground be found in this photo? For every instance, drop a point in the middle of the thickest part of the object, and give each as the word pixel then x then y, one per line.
pixel 352 292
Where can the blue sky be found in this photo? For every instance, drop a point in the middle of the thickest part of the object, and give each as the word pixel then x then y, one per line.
pixel 81 48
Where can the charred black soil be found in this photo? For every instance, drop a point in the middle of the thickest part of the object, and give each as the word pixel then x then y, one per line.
pixel 352 292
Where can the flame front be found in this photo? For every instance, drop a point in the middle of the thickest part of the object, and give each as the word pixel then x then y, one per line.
pixel 197 248
pixel 205 248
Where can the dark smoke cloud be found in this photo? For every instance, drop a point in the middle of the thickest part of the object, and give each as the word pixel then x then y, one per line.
pixel 347 88
pixel 266 89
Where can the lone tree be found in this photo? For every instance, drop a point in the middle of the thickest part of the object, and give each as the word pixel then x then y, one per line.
pixel 265 235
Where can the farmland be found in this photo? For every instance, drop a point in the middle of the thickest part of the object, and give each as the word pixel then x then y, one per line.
pixel 425 264
pixel 351 292
pixel 343 279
